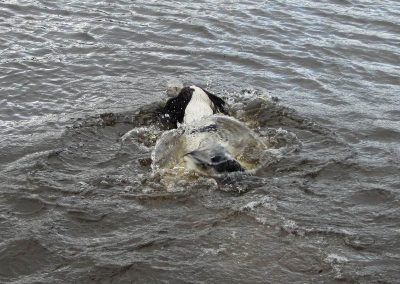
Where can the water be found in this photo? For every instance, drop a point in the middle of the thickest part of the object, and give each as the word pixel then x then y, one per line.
pixel 79 204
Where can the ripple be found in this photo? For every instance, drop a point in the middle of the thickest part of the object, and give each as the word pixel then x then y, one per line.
pixel 26 256
pixel 28 206
pixel 373 196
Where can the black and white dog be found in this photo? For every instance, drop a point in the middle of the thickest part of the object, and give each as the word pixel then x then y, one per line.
pixel 191 109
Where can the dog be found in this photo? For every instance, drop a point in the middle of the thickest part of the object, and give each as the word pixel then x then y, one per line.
pixel 200 113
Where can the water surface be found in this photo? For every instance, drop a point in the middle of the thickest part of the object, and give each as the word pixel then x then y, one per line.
pixel 78 204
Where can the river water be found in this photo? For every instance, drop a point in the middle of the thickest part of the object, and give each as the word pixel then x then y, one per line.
pixel 79 85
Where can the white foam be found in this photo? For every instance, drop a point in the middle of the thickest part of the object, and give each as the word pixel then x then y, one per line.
pixel 264 201
pixel 336 259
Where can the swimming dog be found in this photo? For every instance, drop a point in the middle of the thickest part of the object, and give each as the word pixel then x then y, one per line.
pixel 191 109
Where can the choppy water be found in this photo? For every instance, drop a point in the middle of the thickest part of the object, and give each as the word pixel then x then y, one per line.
pixel 79 202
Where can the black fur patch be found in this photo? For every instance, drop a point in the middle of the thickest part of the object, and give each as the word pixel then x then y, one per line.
pixel 174 110
pixel 227 166
pixel 217 101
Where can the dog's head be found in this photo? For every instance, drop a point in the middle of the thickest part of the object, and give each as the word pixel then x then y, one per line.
pixel 213 160
pixel 190 104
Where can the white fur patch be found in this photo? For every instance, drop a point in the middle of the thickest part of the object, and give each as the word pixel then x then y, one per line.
pixel 199 106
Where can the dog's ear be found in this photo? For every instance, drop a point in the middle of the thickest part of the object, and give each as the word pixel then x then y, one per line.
pixel 217 101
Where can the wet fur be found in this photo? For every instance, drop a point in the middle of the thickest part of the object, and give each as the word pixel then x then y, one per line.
pixel 214 157
pixel 174 110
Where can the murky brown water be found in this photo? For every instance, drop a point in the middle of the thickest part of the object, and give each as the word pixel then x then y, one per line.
pixel 78 204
